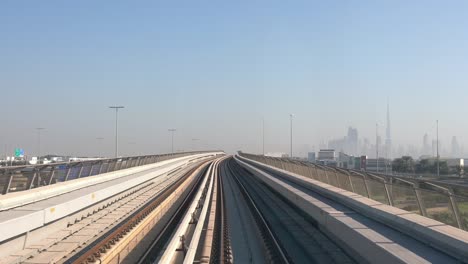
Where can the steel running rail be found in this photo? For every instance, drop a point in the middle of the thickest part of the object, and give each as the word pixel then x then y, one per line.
pixel 262 223
pixel 97 249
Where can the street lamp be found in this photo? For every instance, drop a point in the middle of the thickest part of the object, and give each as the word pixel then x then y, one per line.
pixel 172 130
pixel 116 128
pixel 39 143
pixel 291 119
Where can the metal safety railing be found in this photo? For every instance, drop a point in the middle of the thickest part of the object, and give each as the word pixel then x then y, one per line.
pixel 444 202
pixel 25 177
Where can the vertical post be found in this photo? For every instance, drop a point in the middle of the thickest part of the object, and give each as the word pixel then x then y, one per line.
pixel 25 240
pixel 455 210
pixel 419 199
pixel 10 180
pixel 81 170
pixel 387 190
pixel 116 128
pixel 351 182
pixel 91 169
pixel 68 173
pixel 172 130
pixel 366 186
pixel 52 175
pixel 100 167
pixel 109 163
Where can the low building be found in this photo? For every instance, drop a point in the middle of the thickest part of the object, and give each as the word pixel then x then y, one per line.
pixel 380 165
pixel 327 157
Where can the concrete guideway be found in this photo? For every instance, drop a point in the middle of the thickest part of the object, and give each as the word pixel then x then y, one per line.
pixel 77 195
pixel 358 230
pixel 127 241
pixel 292 236
pixel 183 246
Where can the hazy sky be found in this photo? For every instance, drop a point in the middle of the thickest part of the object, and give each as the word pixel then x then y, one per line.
pixel 213 69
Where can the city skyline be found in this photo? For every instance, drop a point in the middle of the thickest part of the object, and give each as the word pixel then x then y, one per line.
pixel 215 70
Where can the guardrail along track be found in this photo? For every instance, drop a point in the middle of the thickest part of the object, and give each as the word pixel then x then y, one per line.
pixel 293 235
pixel 25 177
pixel 442 201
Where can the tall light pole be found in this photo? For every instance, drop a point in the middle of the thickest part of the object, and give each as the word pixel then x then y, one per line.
pixel 291 120
pixel 172 130
pixel 438 158
pixel 39 143
pixel 116 128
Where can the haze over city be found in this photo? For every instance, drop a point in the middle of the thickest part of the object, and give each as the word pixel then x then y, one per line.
pixel 246 131
pixel 214 70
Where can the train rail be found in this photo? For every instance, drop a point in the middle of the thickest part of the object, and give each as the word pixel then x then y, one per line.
pixel 274 251
pixel 103 231
pixel 288 233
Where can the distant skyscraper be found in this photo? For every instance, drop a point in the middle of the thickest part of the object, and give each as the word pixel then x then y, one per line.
pixel 426 150
pixel 352 141
pixel 388 140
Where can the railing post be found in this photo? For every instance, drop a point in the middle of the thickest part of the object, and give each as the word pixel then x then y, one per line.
pixel 10 176
pixel 351 182
pixel 81 170
pixel 387 190
pixel 91 169
pixel 338 179
pixel 455 210
pixel 118 165
pixel 52 175
pixel 31 182
pixel 68 173
pixel 100 167
pixel 109 164
pixel 419 199
pixel 364 177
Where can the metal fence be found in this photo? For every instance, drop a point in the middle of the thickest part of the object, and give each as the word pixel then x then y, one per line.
pixel 25 177
pixel 444 202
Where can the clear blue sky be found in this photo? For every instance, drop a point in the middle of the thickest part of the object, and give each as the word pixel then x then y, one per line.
pixel 213 69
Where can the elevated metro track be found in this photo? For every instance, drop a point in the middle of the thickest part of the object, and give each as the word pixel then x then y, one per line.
pixel 213 208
